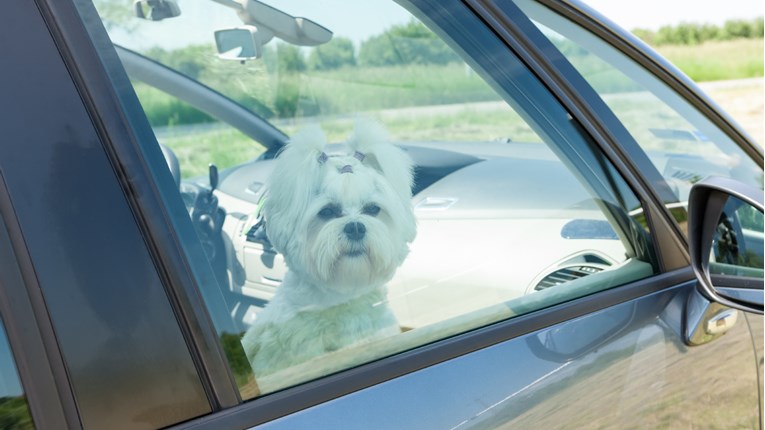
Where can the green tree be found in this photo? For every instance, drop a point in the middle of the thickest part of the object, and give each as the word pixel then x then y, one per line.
pixel 117 14
pixel 339 52
pixel 645 35
pixel 708 32
pixel 758 31
pixel 289 64
pixel 688 34
pixel 691 34
pixel 289 58
pixel 682 34
pixel 190 60
pixel 410 43
pixel 737 29
pixel 14 413
pixel 237 360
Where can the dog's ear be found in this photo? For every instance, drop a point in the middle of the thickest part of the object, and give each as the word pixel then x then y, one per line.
pixel 297 173
pixel 371 140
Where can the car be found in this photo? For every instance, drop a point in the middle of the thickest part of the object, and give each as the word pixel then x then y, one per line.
pixel 589 248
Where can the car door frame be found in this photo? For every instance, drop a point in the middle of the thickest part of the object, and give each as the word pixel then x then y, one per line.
pixel 120 136
pixel 94 76
pixel 640 52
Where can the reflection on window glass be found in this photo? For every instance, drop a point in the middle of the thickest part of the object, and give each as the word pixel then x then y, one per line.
pixel 422 194
pixel 684 145
pixel 737 248
pixel 14 412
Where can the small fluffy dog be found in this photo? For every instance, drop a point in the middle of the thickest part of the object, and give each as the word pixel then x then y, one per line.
pixel 343 224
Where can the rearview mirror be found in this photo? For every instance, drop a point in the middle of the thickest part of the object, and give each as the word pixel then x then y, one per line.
pixel 294 30
pixel 156 10
pixel 262 23
pixel 725 228
pixel 241 43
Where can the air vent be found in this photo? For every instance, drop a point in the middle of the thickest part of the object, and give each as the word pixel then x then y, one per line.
pixel 566 274
pixel 685 175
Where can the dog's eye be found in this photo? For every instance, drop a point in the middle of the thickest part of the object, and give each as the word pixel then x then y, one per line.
pixel 329 212
pixel 371 210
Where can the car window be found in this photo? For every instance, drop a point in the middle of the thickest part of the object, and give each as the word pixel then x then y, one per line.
pixel 684 146
pixel 193 134
pixel 14 411
pixel 405 179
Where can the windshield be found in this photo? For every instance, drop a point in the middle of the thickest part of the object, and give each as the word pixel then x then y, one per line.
pixel 393 69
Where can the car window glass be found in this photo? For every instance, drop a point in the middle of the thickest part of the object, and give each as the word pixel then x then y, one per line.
pixel 684 145
pixel 193 134
pixel 14 411
pixel 332 252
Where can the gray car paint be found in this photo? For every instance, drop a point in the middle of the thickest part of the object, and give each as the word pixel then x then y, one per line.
pixel 634 371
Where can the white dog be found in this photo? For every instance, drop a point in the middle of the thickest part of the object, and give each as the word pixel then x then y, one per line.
pixel 343 224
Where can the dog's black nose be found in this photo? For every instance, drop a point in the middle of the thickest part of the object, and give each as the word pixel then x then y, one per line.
pixel 355 230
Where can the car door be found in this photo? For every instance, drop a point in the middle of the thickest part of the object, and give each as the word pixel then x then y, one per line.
pixel 605 350
pixel 88 319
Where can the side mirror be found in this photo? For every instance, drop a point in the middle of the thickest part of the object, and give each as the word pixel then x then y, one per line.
pixel 241 43
pixel 725 229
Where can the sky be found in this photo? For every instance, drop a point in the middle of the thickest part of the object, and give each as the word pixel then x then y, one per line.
pixel 652 14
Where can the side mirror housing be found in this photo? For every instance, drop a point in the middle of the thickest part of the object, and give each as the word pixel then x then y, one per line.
pixel 725 229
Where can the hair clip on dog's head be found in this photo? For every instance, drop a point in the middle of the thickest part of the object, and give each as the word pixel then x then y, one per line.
pixel 323 157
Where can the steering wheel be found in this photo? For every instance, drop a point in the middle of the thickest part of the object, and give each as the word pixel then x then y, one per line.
pixel 172 164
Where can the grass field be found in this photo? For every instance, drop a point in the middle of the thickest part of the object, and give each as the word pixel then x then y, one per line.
pixel 720 60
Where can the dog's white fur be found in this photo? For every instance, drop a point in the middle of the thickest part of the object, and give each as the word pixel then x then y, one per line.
pixel 333 294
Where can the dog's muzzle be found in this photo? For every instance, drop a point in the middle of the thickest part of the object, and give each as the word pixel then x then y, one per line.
pixel 355 231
